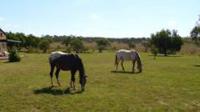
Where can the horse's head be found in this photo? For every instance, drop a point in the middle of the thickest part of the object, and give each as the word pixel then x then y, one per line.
pixel 83 82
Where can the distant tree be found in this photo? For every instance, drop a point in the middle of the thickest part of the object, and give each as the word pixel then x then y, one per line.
pixel 195 33
pixel 102 44
pixel 166 42
pixel 32 41
pixel 66 41
pixel 131 45
pixel 44 45
pixel 154 51
pixel 77 45
pixel 146 45
pixel 17 36
pixel 176 42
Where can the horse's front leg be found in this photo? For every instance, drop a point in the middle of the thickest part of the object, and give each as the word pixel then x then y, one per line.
pixel 57 76
pixel 72 82
pixel 116 65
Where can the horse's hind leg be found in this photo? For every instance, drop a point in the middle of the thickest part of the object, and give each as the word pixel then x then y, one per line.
pixel 72 82
pixel 133 67
pixel 122 65
pixel 51 74
pixel 57 76
pixel 139 66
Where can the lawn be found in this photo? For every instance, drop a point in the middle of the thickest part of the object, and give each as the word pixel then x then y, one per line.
pixel 166 84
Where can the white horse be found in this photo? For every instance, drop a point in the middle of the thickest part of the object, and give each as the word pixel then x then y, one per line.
pixel 128 55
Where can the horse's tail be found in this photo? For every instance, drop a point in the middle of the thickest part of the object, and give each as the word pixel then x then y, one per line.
pixel 139 62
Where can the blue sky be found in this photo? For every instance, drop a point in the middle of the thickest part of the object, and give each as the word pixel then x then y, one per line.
pixel 109 18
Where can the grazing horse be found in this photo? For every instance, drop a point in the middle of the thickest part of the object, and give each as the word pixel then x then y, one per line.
pixel 125 55
pixel 67 62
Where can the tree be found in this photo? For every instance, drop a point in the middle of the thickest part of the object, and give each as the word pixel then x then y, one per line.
pixel 77 45
pixel 102 44
pixel 195 33
pixel 131 45
pixel 44 45
pixel 166 41
pixel 176 42
pixel 146 45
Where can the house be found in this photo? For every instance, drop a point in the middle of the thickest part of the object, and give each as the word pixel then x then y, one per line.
pixel 3 43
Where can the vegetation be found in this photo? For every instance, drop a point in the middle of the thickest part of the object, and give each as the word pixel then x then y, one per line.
pixel 44 45
pixel 77 45
pixel 102 44
pixel 14 56
pixel 166 42
pixel 167 84
pixel 195 33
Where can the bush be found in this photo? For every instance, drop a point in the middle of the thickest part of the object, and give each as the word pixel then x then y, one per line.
pixel 14 56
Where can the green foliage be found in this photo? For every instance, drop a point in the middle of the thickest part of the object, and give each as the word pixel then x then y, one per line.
pixel 14 56
pixel 102 44
pixel 146 45
pixel 67 41
pixel 166 42
pixel 131 45
pixel 77 45
pixel 154 51
pixel 195 33
pixel 44 45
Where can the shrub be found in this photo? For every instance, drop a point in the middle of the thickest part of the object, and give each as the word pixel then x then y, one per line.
pixel 14 56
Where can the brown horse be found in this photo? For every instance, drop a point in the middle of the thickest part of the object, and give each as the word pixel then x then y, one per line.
pixel 67 62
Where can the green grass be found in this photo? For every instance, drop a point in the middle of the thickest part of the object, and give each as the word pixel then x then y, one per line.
pixel 166 84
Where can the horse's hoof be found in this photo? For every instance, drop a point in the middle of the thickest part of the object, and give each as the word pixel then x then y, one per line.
pixel 82 89
pixel 51 86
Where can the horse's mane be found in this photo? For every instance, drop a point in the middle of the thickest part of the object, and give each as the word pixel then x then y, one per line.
pixel 58 52
pixel 126 50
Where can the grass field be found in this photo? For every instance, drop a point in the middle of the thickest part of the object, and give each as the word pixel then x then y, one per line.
pixel 167 84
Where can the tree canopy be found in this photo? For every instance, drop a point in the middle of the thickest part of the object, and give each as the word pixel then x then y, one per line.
pixel 195 33
pixel 166 41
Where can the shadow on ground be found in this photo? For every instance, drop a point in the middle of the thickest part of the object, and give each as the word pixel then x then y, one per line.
pixel 124 72
pixel 56 91
pixel 196 65
pixel 167 55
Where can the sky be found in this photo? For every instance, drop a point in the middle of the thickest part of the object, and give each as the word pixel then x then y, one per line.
pixel 105 18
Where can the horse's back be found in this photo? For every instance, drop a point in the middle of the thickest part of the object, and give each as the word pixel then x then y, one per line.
pixel 68 62
pixel 126 54
pixel 55 55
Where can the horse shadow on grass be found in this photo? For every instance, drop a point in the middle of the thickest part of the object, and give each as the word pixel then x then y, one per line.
pixel 160 55
pixel 196 65
pixel 124 72
pixel 56 91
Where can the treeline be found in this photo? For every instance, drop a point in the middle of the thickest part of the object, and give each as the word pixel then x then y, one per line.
pixel 163 42
pixel 31 43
